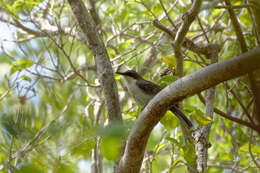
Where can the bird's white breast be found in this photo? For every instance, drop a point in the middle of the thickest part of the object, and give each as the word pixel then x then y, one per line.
pixel 138 94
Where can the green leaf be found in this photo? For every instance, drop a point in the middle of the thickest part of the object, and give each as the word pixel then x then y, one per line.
pixel 8 124
pixel 29 168
pixel 111 147
pixel 111 140
pixel 169 121
pixel 170 60
pixel 226 157
pixel 174 141
pixel 176 162
pixel 167 80
pixel 21 64
pixel 113 129
pixel 21 5
pixel 27 78
pixel 13 70
pixel 62 168
pixel 111 52
pixel 254 148
pixel 189 108
pixel 244 18
pixel 124 45
pixel 84 148
pixel 118 76
pixel 156 9
pixel 110 10
pixel 200 118
pixel 158 147
pixel 189 155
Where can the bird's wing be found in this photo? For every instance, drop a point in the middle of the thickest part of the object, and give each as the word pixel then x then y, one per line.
pixel 148 87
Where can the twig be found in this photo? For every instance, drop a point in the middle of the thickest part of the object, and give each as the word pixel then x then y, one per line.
pixel 250 152
pixel 147 8
pixel 167 15
pixel 5 94
pixel 241 104
pixel 70 62
pixel 233 6
pixel 39 134
pixel 234 119
pixel 203 30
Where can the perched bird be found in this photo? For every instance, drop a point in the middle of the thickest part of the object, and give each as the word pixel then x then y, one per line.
pixel 143 91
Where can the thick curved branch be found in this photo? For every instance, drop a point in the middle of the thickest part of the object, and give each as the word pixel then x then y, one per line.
pixel 104 68
pixel 182 88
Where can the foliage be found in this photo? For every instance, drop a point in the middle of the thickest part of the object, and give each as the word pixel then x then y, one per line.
pixel 52 111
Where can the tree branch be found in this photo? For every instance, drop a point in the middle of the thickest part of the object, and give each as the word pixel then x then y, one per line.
pixel 250 152
pixel 182 88
pixel 104 68
pixel 187 43
pixel 243 46
pixel 201 135
pixel 188 18
pixel 234 119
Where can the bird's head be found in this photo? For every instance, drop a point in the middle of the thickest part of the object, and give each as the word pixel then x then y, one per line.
pixel 130 73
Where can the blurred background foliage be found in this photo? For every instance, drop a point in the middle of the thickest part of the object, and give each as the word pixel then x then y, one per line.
pixel 52 112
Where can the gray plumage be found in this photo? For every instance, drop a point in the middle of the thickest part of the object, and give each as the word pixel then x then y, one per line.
pixel 143 91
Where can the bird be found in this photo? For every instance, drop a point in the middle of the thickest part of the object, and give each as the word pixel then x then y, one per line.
pixel 143 91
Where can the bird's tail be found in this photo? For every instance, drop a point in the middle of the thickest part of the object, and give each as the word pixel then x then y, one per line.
pixel 182 117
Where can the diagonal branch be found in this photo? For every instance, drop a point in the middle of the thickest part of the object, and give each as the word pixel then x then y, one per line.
pixel 250 152
pixel 41 132
pixel 234 119
pixel 182 88
pixel 242 43
pixel 103 65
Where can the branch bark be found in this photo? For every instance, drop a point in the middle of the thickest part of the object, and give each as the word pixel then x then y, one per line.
pixel 255 18
pixel 188 17
pixel 182 88
pixel 252 77
pixel 229 117
pixel 104 68
pixel 187 43
pixel 201 135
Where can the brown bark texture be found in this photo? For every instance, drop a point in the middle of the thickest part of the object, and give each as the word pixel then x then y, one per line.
pixel 182 88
